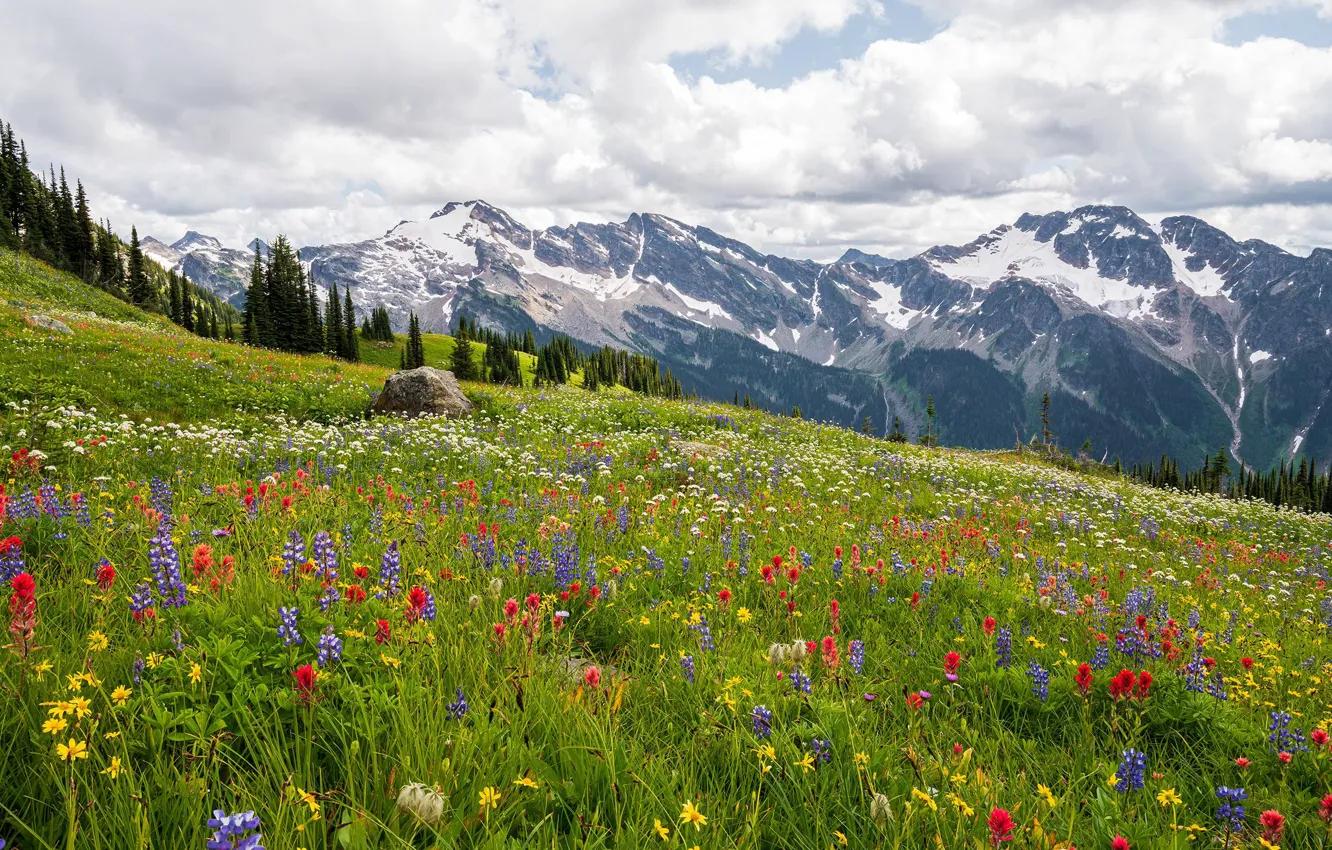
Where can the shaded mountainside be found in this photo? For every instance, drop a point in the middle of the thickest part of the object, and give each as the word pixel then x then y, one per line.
pixel 1150 337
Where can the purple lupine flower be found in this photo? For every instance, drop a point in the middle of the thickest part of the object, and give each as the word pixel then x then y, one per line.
pixel 390 571
pixel 704 634
pixel 687 664
pixel 325 557
pixel 800 681
pixel 136 671
pixel 1131 772
pixel 857 655
pixel 1101 657
pixel 1282 737
pixel 1231 810
pixel 293 553
pixel 458 707
pixel 232 832
pixel 141 599
pixel 166 567
pixel 762 719
pixel 330 647
pixel 1040 680
pixel 11 562
pixel 329 597
pixel 822 749
pixel 1003 647
pixel 428 611
pixel 287 629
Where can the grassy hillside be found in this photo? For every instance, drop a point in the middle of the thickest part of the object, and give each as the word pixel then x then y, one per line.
pixel 120 358
pixel 587 620
pixel 438 353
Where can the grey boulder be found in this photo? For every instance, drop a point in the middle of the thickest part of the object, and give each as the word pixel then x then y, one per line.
pixel 426 391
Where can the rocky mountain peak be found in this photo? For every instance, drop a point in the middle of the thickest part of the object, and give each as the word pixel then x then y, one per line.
pixel 194 240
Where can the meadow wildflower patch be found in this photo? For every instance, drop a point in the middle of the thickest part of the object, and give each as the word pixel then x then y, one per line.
pixel 541 625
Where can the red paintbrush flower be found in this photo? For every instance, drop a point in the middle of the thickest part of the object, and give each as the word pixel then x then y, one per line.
pixel 305 682
pixel 1273 823
pixel 1084 678
pixel 1001 826
pixel 1121 686
pixel 951 662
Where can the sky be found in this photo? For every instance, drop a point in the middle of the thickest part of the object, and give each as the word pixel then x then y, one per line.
pixel 802 127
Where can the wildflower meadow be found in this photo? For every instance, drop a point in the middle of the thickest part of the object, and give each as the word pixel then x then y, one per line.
pixel 581 619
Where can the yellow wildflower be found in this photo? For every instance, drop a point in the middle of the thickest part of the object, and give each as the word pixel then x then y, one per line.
pixel 113 770
pixel 391 662
pixel 489 798
pixel 73 750
pixel 527 782
pixel 661 830
pixel 1168 797
pixel 689 813
pixel 120 695
pixel 807 763
pixel 1045 794
pixel 55 725
pixel 742 614
pixel 196 673
pixel 97 642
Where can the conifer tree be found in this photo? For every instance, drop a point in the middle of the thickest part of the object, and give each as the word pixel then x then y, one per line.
pixel 187 308
pixel 460 363
pixel 173 286
pixel 140 292
pixel 352 345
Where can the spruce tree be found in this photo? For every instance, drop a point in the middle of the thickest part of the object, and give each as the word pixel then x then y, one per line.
pixel 86 258
pixel 460 364
pixel 352 345
pixel 187 308
pixel 173 286
pixel 140 291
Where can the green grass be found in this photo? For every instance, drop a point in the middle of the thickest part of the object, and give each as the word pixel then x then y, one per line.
pixel 123 359
pixel 905 550
pixel 438 353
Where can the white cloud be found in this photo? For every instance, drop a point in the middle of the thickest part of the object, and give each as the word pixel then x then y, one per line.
pixel 334 120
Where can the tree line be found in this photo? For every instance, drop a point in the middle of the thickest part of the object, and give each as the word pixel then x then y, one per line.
pixel 44 217
pixel 282 308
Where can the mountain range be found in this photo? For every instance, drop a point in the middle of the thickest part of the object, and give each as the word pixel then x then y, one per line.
pixel 1166 337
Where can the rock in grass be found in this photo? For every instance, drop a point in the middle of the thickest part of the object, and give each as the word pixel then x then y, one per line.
pixel 47 323
pixel 426 391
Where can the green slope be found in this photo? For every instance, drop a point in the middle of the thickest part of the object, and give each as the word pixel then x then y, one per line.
pixel 122 358
pixel 438 353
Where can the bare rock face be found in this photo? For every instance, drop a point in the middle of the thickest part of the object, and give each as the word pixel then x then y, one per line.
pixel 426 391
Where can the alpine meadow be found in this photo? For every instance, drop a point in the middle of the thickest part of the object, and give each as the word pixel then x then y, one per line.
pixel 865 424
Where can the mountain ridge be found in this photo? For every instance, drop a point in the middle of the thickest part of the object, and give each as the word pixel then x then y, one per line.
pixel 1238 329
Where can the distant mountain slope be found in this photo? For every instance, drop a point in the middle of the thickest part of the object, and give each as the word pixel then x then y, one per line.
pixel 1152 337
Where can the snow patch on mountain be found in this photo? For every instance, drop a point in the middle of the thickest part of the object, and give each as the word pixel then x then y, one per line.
pixel 1012 253
pixel 1206 282
pixel 1259 356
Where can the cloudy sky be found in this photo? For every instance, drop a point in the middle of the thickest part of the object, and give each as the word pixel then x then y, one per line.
pixel 800 126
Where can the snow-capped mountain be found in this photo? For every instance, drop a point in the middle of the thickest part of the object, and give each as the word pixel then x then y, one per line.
pixel 203 259
pixel 1151 337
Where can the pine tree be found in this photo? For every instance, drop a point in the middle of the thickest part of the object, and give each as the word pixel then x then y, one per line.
pixel 173 288
pixel 187 308
pixel 257 318
pixel 929 438
pixel 1046 434
pixel 140 292
pixel 85 258
pixel 335 337
pixel 352 344
pixel 460 364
